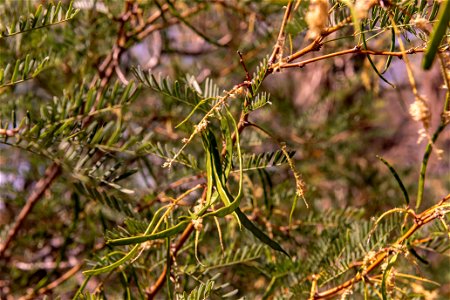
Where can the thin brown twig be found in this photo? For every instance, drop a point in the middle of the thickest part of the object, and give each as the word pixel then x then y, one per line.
pixel 313 286
pixel 41 187
pixel 241 61
pixel 63 278
pixel 144 32
pixel 162 277
pixel 107 67
pixel 150 20
pixel 277 51
pixel 356 50
pixel 317 42
pixel 111 62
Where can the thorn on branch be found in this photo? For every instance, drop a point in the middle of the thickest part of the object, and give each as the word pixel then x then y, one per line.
pixel 241 61
pixel 418 221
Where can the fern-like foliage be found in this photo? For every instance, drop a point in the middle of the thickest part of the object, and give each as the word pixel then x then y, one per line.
pixel 111 198
pixel 200 292
pixel 86 149
pixel 207 226
pixel 43 17
pixel 337 249
pixel 232 257
pixel 264 160
pixel 21 70
pixel 259 101
pixel 189 93
pixel 258 76
pixel 210 89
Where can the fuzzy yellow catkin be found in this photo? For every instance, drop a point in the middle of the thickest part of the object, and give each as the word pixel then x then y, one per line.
pixel 316 17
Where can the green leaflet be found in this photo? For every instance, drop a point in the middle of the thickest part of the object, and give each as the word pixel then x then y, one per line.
pixel 130 254
pixel 386 274
pixel 155 236
pixel 202 291
pixel 111 267
pixel 392 48
pixel 16 71
pixel 294 204
pixel 203 101
pixel 230 205
pixel 416 255
pixel 22 70
pixel 216 162
pixel 397 177
pixel 438 33
pixel 209 177
pixel 434 10
pixel 258 233
pixel 374 67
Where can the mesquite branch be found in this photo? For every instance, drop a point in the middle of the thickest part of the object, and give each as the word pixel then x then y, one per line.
pixel 131 28
pixel 434 212
pixel 243 122
pixel 356 50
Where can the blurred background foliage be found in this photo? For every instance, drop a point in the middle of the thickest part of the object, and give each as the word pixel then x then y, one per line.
pixel 336 115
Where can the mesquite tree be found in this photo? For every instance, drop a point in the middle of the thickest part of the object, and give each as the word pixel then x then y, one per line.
pixel 224 149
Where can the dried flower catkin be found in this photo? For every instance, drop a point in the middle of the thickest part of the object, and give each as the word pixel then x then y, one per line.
pixel 316 17
pixel 419 112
